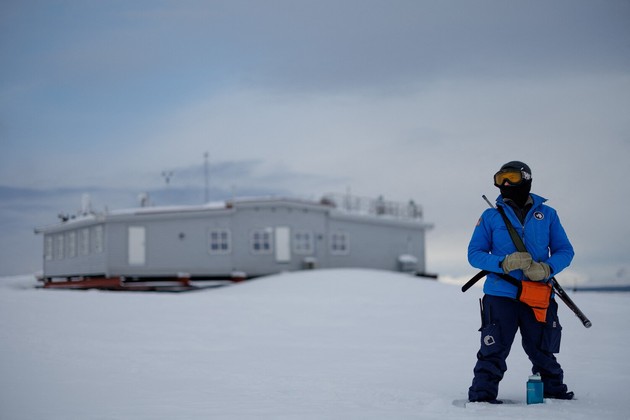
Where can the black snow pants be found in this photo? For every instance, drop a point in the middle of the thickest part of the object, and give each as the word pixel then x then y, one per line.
pixel 501 318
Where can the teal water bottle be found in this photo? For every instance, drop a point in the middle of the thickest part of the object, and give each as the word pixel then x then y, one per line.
pixel 535 389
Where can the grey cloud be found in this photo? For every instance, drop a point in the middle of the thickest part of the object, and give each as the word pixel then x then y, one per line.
pixel 247 177
pixel 331 45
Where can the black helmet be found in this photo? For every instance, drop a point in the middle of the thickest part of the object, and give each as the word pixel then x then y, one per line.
pixel 515 164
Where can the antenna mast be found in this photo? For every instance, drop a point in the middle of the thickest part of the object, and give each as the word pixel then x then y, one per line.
pixel 206 181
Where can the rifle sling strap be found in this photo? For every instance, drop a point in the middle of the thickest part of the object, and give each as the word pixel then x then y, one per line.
pixel 518 242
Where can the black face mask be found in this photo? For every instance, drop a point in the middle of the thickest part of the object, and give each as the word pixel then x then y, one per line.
pixel 517 193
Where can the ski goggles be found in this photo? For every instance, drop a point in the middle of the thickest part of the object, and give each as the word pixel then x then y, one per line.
pixel 511 176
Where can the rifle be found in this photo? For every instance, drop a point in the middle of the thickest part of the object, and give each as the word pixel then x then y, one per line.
pixel 554 283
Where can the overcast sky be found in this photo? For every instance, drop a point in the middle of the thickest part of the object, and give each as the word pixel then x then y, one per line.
pixel 420 100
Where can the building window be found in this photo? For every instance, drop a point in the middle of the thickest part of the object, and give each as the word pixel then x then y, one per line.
pixel 59 251
pixel 303 242
pixel 97 236
pixel 261 241
pixel 84 241
pixel 48 248
pixel 219 241
pixel 339 243
pixel 72 244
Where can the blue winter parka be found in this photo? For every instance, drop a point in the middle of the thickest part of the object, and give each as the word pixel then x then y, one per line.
pixel 543 236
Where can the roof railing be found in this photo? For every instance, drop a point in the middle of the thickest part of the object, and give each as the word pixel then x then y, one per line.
pixel 373 206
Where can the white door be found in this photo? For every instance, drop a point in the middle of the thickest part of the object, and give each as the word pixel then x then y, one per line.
pixel 283 244
pixel 137 245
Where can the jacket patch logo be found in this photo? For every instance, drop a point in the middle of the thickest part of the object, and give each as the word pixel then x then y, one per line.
pixel 538 215
pixel 488 340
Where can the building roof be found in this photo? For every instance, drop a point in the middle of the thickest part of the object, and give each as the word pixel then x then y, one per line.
pixel 343 206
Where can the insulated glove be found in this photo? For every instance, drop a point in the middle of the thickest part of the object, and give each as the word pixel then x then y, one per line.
pixel 516 261
pixel 538 271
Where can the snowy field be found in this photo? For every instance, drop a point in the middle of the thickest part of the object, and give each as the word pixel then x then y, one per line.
pixel 329 344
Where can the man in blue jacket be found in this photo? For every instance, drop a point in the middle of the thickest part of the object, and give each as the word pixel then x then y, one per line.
pixel 548 252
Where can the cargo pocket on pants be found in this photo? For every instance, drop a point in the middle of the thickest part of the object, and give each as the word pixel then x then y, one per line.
pixel 551 336
pixel 491 340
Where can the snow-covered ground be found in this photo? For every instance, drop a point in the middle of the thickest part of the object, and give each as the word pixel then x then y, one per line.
pixel 325 344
